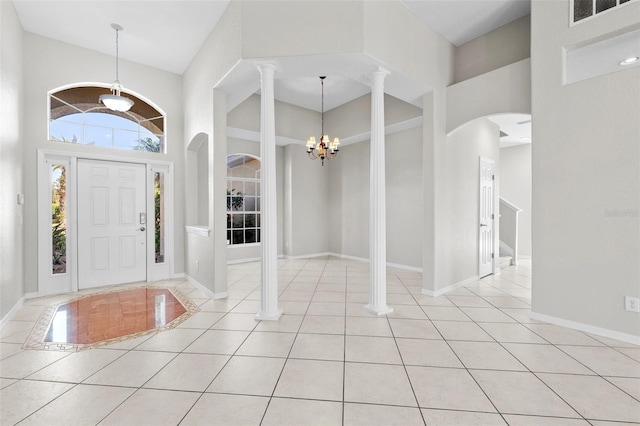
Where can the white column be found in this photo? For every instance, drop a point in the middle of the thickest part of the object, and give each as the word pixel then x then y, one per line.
pixel 377 216
pixel 269 214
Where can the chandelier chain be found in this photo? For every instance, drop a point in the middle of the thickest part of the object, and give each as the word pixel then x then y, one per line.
pixel 322 110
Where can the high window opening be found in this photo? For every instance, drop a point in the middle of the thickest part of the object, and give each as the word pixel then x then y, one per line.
pixel 243 199
pixel 76 116
pixel 582 9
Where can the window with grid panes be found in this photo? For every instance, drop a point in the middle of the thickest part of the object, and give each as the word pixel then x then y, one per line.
pixel 243 199
pixel 582 9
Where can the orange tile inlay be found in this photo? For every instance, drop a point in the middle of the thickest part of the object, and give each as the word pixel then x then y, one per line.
pixel 105 316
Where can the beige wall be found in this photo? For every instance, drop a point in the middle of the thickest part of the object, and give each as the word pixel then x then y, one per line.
pixel 496 49
pixel 349 199
pixel 11 160
pixel 586 164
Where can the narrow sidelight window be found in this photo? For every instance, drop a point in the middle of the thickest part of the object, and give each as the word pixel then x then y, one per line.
pixel 158 194
pixel 58 219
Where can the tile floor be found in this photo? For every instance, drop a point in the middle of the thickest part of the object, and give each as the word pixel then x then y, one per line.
pixel 470 357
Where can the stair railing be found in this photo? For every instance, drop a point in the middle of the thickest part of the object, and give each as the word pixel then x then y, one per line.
pixel 509 228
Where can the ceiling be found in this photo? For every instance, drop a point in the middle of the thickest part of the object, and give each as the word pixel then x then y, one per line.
pixel 166 34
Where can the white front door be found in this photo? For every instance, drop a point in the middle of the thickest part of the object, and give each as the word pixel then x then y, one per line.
pixel 111 223
pixel 487 179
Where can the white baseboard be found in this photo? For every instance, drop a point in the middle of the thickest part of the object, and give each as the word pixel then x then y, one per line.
pixel 204 289
pixel 177 275
pixel 306 256
pixel 312 255
pixel 12 311
pixel 405 267
pixel 604 332
pixel 449 288
pixel 245 260
pixel 32 295
pixel 389 264
pixel 249 259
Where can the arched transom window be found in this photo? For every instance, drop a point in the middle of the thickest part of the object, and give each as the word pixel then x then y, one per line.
pixel 76 116
pixel 243 199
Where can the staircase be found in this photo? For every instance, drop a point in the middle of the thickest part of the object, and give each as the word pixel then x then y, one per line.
pixel 505 260
pixel 508 233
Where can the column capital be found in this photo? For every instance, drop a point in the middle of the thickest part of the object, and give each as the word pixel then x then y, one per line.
pixel 266 68
pixel 378 75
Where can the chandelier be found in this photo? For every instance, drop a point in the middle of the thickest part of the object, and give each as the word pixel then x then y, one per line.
pixel 114 101
pixel 323 148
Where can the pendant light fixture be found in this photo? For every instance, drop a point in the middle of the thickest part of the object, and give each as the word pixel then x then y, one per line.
pixel 114 101
pixel 323 148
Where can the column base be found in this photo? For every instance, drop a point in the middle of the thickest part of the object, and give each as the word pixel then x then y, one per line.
pixel 269 316
pixel 378 310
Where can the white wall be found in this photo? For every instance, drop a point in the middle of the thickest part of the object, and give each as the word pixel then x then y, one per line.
pixel 515 187
pixel 585 165
pixel 66 64
pixel 498 48
pixel 11 159
pixel 292 28
pixel 505 90
pixel 217 55
pixel 396 37
pixel 458 215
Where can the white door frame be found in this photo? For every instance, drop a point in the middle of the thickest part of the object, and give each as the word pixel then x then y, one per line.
pixel 49 283
pixel 494 221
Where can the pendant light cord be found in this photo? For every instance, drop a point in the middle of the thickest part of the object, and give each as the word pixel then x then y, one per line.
pixel 117 56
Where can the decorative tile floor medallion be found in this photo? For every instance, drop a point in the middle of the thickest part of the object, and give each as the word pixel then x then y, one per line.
pixel 109 317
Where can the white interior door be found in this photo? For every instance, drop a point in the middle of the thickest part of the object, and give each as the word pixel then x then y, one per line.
pixel 111 223
pixel 486 222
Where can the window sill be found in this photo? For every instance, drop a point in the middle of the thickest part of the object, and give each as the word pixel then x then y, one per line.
pixel 203 231
pixel 243 245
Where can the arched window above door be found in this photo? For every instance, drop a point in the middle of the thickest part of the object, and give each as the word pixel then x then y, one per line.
pixel 76 116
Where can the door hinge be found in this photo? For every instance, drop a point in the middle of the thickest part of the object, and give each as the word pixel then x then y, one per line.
pixel 493 177
pixel 492 255
pixel 493 216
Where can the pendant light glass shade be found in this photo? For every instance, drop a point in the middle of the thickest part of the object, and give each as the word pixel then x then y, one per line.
pixel 114 101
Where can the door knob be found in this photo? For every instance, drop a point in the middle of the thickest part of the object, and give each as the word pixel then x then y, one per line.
pixel 482 224
pixel 142 228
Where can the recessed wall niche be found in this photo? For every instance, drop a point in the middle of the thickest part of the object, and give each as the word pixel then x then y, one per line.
pixel 197 196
